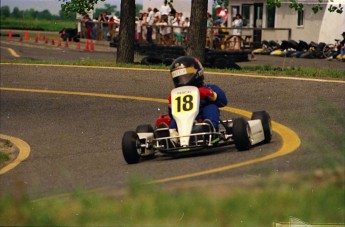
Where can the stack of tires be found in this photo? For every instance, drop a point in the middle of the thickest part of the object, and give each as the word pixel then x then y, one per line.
pixel 159 54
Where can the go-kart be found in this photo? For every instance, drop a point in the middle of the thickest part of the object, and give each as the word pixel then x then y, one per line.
pixel 192 135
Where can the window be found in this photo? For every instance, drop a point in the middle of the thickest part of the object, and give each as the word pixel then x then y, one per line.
pixel 271 14
pixel 246 14
pixel 300 18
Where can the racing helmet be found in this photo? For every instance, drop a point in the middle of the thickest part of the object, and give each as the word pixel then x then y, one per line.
pixel 186 71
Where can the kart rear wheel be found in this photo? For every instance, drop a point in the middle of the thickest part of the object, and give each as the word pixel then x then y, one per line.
pixel 266 124
pixel 131 148
pixel 241 134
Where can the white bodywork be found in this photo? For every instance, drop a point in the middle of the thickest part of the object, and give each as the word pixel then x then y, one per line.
pixel 185 102
pixel 256 131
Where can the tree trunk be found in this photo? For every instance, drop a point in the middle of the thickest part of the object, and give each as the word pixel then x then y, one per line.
pixel 197 31
pixel 125 50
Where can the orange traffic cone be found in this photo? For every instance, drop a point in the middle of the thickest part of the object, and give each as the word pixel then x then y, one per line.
pixel 20 39
pixel 46 40
pixel 26 37
pixel 92 46
pixel 53 41
pixel 78 45
pixel 10 35
pixel 38 37
pixel 59 43
pixel 86 45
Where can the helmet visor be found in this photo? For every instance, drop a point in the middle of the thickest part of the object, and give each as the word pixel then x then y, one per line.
pixel 183 76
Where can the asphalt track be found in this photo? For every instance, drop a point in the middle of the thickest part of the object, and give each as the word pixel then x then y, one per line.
pixel 71 121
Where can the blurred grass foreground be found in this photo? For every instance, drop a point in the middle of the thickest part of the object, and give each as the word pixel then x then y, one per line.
pixel 314 198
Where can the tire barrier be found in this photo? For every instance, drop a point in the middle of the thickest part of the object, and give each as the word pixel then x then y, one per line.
pixel 162 54
pixel 292 48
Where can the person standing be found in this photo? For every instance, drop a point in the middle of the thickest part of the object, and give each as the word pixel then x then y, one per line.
pixel 149 23
pixel 103 19
pixel 342 48
pixel 237 31
pixel 165 10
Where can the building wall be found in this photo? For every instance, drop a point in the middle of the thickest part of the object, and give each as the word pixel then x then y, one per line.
pixel 320 27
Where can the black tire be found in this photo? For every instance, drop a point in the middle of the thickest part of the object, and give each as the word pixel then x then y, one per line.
pixel 241 132
pixel 144 128
pixel 266 124
pixel 151 61
pixel 131 148
pixel 168 61
pixel 308 55
pixel 220 63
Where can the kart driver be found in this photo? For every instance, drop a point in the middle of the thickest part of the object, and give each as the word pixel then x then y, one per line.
pixel 211 96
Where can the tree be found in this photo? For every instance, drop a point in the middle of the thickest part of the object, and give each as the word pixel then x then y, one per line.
pixel 197 31
pixel 125 51
pixel 45 14
pixel 16 13
pixel 5 11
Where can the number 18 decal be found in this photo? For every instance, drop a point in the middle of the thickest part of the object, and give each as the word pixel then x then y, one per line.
pixel 184 103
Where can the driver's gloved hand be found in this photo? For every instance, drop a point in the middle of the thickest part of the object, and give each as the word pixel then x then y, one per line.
pixel 207 93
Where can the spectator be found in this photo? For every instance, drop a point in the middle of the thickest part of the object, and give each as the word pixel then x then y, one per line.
pixel 237 31
pixel 149 23
pixel 103 20
pixel 341 48
pixel 220 13
pixel 185 26
pixel 89 27
pixel 173 12
pixel 165 10
pixel 177 31
pixel 218 9
pixel 165 30
pixel 225 18
pixel 209 29
pixel 143 26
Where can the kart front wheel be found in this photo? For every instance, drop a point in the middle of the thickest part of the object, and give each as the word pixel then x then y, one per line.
pixel 241 134
pixel 266 124
pixel 131 148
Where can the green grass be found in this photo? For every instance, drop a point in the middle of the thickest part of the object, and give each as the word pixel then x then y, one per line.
pixel 3 157
pixel 260 70
pixel 313 198
pixel 35 24
pixel 4 146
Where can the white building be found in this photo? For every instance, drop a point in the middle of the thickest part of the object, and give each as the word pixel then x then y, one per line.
pixel 320 27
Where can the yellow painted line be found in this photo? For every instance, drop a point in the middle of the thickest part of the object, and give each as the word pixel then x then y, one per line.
pixel 24 152
pixel 12 52
pixel 84 94
pixel 290 140
pixel 165 70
